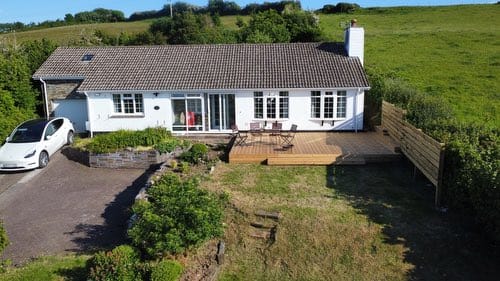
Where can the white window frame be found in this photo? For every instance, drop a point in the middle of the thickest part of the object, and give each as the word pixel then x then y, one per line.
pixel 185 97
pixel 266 98
pixel 329 97
pixel 137 108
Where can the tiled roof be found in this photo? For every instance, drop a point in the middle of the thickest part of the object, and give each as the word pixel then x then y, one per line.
pixel 205 67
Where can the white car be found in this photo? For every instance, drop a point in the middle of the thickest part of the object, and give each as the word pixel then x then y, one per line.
pixel 33 142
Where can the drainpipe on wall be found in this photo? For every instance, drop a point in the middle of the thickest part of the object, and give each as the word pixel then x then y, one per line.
pixel 356 111
pixel 88 115
pixel 45 98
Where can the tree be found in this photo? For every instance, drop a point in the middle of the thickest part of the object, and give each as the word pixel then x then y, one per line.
pixel 340 8
pixel 268 26
pixel 15 78
pixel 69 18
pixel 303 26
pixel 36 52
pixel 189 28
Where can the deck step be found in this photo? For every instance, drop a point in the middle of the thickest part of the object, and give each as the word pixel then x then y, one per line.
pixel 307 159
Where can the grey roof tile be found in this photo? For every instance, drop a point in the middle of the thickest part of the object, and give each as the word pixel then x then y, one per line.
pixel 205 67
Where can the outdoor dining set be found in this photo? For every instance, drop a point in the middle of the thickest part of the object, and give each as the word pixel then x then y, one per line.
pixel 275 136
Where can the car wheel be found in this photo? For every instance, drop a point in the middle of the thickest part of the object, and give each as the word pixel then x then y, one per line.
pixel 70 138
pixel 43 159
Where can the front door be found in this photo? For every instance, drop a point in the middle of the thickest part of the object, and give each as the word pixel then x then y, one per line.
pixel 222 112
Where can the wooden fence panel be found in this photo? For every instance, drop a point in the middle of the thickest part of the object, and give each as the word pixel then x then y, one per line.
pixel 424 152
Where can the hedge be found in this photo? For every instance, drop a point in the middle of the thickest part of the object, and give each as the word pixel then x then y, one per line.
pixel 472 156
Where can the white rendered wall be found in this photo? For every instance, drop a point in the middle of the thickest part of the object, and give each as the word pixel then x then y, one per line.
pixel 300 112
pixel 355 42
pixel 103 119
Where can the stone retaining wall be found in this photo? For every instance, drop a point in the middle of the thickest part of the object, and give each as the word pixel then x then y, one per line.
pixel 130 159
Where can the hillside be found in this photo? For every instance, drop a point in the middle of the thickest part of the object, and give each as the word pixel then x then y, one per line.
pixel 451 51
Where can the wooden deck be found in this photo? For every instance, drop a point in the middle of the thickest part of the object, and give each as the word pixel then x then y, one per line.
pixel 318 148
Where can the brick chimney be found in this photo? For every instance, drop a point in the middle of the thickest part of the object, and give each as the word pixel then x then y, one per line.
pixel 354 40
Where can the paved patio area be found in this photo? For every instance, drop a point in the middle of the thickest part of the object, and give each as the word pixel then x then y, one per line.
pixel 318 148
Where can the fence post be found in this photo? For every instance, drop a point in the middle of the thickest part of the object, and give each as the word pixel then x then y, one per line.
pixel 437 200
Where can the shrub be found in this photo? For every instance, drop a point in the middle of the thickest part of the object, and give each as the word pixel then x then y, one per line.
pixel 196 154
pixel 166 270
pixel 122 139
pixel 4 239
pixel 167 146
pixel 178 215
pixel 184 167
pixel 120 264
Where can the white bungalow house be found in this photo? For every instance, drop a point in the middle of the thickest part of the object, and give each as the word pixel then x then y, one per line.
pixel 208 88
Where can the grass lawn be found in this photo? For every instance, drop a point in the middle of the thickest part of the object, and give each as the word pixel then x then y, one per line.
pixel 51 268
pixel 344 223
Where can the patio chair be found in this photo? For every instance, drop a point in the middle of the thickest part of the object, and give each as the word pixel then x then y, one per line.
pixel 240 137
pixel 276 129
pixel 288 137
pixel 256 131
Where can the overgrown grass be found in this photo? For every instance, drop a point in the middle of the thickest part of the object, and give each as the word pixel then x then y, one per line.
pixel 51 268
pixel 344 223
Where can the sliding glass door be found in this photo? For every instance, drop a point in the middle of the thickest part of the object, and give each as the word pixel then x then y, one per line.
pixel 222 112
pixel 187 112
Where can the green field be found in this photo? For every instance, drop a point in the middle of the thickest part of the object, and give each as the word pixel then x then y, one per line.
pixel 450 51
pixel 66 35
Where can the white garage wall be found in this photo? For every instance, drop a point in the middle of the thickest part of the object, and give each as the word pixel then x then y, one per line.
pixel 73 109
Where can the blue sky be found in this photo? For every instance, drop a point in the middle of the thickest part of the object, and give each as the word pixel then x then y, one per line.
pixel 36 11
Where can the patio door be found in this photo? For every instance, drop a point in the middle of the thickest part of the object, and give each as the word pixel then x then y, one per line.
pixel 187 112
pixel 222 112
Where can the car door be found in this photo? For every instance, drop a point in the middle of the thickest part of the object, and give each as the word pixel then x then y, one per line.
pixel 52 138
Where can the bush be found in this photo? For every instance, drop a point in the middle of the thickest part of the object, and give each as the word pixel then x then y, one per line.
pixel 122 139
pixel 166 270
pixel 167 146
pixel 196 154
pixel 4 239
pixel 120 264
pixel 178 215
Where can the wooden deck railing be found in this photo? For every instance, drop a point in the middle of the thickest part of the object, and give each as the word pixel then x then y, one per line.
pixel 424 152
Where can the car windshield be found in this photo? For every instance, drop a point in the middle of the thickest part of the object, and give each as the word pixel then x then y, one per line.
pixel 30 131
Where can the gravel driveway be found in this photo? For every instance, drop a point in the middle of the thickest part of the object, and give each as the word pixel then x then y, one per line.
pixel 66 207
